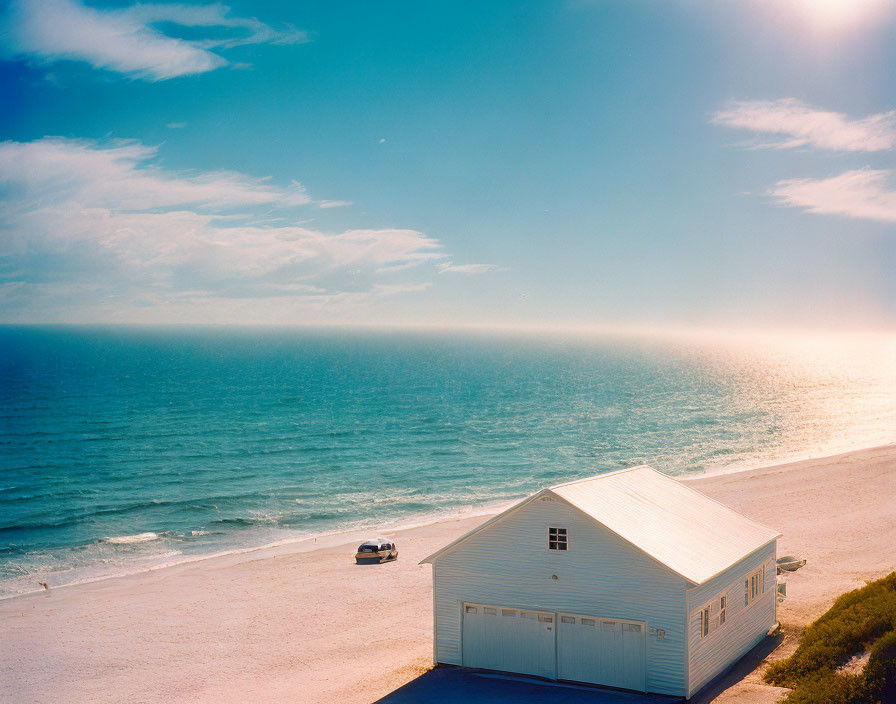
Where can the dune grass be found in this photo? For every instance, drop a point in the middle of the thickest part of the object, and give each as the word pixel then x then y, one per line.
pixel 860 621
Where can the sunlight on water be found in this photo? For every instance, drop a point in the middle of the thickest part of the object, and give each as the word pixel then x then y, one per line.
pixel 125 449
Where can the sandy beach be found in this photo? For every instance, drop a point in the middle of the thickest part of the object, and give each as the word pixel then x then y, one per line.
pixel 302 623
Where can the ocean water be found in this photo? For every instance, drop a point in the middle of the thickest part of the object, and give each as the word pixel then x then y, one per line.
pixel 126 448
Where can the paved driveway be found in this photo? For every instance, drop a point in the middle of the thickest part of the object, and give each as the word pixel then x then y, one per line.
pixel 455 685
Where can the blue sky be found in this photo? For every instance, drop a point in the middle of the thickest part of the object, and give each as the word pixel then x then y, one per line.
pixel 572 164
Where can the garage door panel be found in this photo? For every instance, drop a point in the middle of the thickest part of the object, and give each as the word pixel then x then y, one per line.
pixel 633 656
pixel 602 651
pixel 609 652
pixel 511 640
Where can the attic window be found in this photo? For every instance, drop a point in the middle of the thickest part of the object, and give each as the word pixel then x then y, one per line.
pixel 557 539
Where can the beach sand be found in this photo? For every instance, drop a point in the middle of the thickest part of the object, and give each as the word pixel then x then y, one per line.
pixel 303 623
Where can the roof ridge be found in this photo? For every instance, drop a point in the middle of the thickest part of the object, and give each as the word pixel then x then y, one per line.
pixel 601 476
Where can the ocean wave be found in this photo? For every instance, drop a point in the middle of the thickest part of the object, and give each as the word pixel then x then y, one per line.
pixel 127 539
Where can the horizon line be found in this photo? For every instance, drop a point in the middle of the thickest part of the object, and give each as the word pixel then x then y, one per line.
pixel 608 330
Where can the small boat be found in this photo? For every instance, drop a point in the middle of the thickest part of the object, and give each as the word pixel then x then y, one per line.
pixel 789 563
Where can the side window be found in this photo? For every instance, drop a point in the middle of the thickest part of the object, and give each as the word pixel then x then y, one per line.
pixel 558 539
pixel 754 586
pixel 723 609
pixel 704 621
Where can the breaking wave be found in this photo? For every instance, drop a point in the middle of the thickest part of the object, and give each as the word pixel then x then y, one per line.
pixel 128 539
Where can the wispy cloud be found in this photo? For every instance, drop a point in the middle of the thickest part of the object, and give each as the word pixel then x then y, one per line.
pixel 468 269
pixel 800 125
pixel 111 220
pixel 129 40
pixel 333 203
pixel 123 176
pixel 862 193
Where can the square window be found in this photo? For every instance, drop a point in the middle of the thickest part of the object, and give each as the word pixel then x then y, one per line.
pixel 558 539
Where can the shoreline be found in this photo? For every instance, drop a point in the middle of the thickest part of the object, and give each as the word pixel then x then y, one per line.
pixel 303 622
pixel 309 542
pixel 300 544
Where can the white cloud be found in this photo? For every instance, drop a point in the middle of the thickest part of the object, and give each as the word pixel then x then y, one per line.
pixel 110 218
pixel 216 15
pixel 122 176
pixel 468 269
pixel 124 40
pixel 798 125
pixel 862 193
pixel 334 203
pixel 176 125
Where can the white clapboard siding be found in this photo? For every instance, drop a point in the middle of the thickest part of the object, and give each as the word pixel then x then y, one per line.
pixel 601 575
pixel 642 548
pixel 744 626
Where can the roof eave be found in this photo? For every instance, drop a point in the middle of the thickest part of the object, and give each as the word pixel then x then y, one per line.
pixel 627 541
pixel 742 557
pixel 482 526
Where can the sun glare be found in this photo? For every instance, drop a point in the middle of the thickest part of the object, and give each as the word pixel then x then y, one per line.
pixel 841 15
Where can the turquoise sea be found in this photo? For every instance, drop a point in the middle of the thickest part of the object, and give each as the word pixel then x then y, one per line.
pixel 125 448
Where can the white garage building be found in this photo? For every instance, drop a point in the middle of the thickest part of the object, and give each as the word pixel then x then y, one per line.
pixel 629 579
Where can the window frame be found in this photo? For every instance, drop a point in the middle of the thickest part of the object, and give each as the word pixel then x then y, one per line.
pixel 754 585
pixel 705 620
pixel 723 609
pixel 555 542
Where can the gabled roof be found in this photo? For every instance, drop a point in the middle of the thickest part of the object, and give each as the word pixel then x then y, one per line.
pixel 693 535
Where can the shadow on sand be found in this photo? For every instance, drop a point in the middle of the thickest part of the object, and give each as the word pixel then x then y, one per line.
pixel 740 669
pixel 446 684
pixel 374 561
pixel 456 685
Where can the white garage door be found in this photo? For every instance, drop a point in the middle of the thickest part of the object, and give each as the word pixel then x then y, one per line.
pixel 511 640
pixel 603 651
pixel 610 652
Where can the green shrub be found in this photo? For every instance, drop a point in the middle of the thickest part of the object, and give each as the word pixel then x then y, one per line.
pixel 880 672
pixel 831 688
pixel 858 621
